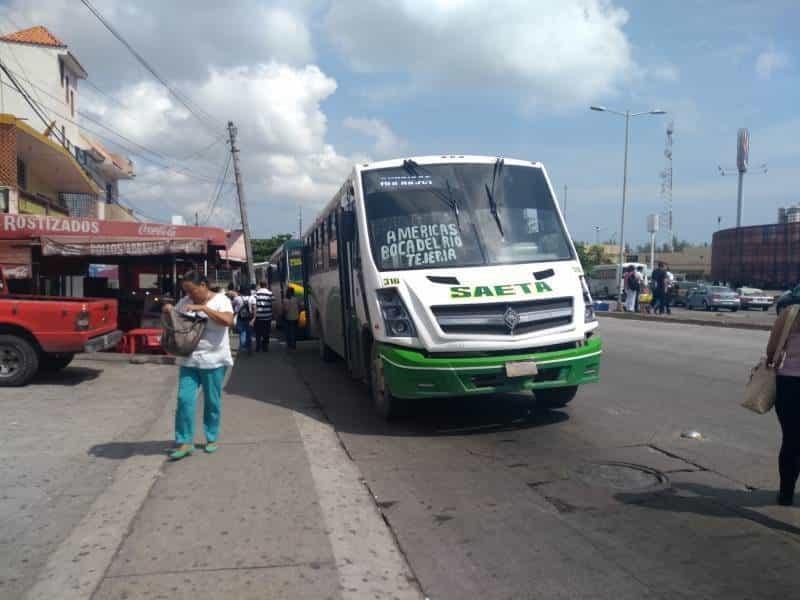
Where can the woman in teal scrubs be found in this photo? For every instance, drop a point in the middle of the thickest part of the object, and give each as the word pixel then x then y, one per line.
pixel 205 367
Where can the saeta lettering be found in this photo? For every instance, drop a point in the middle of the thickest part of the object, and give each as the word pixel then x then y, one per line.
pixel 508 289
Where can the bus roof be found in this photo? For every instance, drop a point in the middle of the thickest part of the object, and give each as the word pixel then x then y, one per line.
pixel 446 158
pixel 287 245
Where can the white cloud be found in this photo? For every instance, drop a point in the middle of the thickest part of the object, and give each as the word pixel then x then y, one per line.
pixel 666 72
pixel 770 61
pixel 282 132
pixel 565 53
pixel 387 143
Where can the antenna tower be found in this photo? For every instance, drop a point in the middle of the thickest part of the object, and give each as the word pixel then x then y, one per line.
pixel 666 183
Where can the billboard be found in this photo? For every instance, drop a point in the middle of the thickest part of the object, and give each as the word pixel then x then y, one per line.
pixel 742 150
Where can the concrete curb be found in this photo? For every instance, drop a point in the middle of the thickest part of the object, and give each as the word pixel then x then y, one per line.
pixel 681 321
pixel 136 359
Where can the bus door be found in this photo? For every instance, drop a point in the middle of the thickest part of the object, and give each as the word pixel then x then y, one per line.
pixel 349 264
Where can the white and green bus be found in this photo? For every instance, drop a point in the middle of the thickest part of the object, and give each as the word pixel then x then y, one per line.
pixel 451 276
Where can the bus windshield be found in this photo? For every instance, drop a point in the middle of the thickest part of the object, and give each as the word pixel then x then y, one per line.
pixel 460 215
pixel 295 265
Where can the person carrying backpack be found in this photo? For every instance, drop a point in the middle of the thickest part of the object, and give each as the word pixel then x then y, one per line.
pixel 246 318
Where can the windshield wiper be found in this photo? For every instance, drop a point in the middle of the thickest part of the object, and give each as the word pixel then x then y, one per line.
pixel 498 168
pixel 449 200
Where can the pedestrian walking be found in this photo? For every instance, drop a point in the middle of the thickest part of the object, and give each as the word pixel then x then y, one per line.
pixel 205 367
pixel 669 288
pixel 631 289
pixel 659 279
pixel 291 313
pixel 786 362
pixel 245 311
pixel 263 325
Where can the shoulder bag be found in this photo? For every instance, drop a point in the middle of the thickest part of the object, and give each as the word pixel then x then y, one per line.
pixel 181 333
pixel 759 393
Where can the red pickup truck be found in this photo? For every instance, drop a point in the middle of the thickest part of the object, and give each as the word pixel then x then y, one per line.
pixel 45 332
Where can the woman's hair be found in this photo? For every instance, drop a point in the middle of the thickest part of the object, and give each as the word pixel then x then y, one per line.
pixel 195 278
pixel 290 292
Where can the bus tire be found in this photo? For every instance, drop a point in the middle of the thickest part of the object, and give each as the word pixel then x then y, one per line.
pixel 19 361
pixel 325 353
pixel 386 405
pixel 555 397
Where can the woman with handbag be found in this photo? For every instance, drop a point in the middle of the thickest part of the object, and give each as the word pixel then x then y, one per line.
pixel 206 365
pixel 783 353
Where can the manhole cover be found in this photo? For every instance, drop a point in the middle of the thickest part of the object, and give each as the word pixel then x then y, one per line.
pixel 621 476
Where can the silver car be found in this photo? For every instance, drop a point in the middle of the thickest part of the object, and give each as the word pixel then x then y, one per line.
pixel 754 298
pixel 713 298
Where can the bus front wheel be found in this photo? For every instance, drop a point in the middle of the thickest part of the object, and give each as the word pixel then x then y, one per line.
pixel 386 405
pixel 556 397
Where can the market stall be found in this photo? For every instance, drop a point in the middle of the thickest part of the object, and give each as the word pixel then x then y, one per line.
pixel 136 263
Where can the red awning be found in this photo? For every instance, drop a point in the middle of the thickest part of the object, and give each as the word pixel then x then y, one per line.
pixel 95 246
pixel 16 227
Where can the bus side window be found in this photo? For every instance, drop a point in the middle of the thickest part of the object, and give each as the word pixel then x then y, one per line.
pixel 333 251
pixel 324 244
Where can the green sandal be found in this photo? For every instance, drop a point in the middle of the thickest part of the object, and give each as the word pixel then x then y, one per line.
pixel 211 447
pixel 179 454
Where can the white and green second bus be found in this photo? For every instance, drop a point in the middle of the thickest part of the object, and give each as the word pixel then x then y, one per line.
pixel 451 276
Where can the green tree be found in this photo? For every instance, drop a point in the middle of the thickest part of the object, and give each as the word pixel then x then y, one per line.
pixel 590 256
pixel 264 247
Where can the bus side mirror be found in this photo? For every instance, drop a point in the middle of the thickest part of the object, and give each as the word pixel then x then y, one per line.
pixel 347 226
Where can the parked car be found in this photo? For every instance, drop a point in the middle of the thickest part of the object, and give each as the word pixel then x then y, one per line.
pixel 788 298
pixel 45 332
pixel 713 298
pixel 682 290
pixel 754 298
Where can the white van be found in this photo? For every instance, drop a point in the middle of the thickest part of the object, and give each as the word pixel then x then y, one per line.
pixel 604 282
pixel 451 276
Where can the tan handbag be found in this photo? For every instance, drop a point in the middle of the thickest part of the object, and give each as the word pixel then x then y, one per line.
pixel 759 393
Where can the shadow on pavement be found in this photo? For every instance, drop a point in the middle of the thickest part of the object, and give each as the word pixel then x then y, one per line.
pixel 347 404
pixel 123 450
pixel 69 376
pixel 709 501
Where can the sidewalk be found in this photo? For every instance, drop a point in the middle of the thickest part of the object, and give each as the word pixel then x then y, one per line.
pixel 278 512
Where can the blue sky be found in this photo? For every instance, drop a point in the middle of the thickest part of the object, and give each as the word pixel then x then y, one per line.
pixel 316 85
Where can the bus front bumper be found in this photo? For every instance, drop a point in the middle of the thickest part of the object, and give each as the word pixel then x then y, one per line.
pixel 410 373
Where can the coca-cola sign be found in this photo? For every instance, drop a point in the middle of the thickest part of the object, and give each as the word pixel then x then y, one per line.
pixel 155 230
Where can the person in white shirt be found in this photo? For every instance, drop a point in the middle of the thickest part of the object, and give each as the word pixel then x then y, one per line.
pixel 205 367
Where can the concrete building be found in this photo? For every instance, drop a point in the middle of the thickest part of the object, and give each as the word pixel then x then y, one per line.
pixel 765 256
pixel 43 65
pixel 790 214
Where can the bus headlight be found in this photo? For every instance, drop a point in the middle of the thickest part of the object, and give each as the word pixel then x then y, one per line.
pixel 395 316
pixel 588 311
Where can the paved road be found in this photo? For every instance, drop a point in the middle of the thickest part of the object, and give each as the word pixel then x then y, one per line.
pixel 749 317
pixel 61 439
pixel 492 499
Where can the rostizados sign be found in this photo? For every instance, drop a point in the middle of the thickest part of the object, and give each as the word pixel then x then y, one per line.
pixel 26 226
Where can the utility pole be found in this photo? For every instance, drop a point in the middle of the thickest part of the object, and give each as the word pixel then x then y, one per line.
pixel 299 221
pixel 196 219
pixel 251 273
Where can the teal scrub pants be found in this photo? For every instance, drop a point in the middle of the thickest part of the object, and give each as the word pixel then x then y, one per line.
pixel 190 380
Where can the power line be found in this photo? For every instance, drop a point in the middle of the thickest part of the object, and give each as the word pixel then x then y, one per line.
pixel 206 119
pixel 182 170
pixel 221 184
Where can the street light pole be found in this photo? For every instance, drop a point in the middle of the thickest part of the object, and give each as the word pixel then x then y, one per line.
pixel 622 217
pixel 627 114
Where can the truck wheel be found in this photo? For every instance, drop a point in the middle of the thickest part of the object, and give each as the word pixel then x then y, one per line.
pixel 19 361
pixel 54 362
pixel 386 405
pixel 555 397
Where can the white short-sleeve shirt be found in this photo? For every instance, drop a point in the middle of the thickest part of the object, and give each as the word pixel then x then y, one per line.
pixel 214 349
